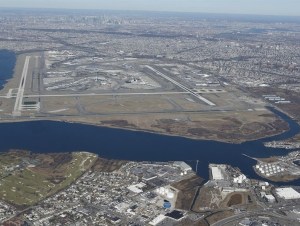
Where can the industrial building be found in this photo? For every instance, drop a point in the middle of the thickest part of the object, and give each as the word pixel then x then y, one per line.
pixel 184 167
pixel 287 193
pixel 240 179
pixel 157 220
pixel 270 198
pixel 216 173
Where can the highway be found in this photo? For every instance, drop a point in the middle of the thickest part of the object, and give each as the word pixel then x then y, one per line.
pixel 181 86
pixel 270 212
pixel 21 89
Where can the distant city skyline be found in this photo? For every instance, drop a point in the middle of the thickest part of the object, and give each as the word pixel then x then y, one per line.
pixel 259 7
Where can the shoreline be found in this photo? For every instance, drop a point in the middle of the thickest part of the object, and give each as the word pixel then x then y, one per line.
pixel 208 136
pixel 137 130
pixel 12 81
pixel 275 179
pixel 11 75
pixel 278 168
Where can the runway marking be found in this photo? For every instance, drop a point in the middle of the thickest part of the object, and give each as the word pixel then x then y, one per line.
pixel 9 93
pixel 59 110
pixel 21 89
pixel 36 106
pixel 181 86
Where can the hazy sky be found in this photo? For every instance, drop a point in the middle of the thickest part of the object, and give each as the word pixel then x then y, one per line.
pixel 268 7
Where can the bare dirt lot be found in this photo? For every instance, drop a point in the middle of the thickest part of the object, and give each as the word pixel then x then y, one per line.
pixel 208 198
pixel 187 190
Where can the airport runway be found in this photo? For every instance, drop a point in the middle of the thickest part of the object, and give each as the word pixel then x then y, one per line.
pixel 21 89
pixel 9 94
pixel 182 86
pixel 100 94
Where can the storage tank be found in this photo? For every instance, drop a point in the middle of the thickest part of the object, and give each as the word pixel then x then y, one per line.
pixel 167 205
pixel 170 195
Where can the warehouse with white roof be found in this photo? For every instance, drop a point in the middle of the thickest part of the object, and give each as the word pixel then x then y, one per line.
pixel 216 173
pixel 287 193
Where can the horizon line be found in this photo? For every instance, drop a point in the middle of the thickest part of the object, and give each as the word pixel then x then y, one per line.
pixel 150 11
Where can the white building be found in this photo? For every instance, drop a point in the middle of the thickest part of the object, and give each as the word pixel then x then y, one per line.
pixel 216 173
pixel 270 198
pixel 136 188
pixel 287 193
pixel 240 179
pixel 245 222
pixel 183 166
pixel 157 220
